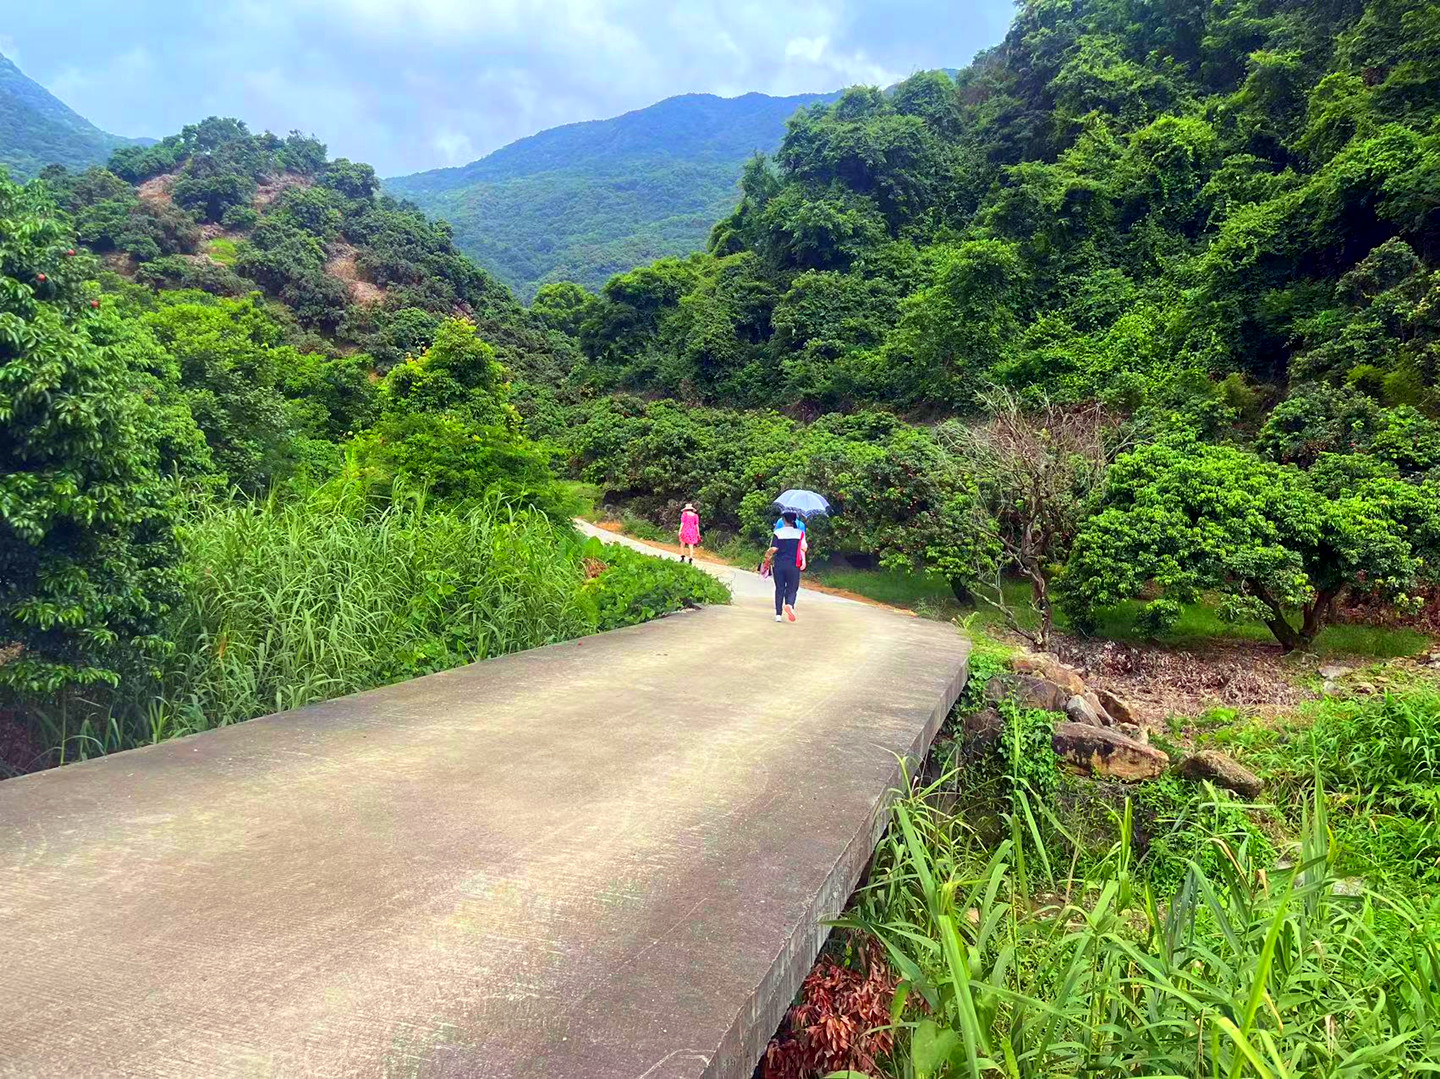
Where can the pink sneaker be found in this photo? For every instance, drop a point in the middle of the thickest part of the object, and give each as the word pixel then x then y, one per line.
pixel 789 612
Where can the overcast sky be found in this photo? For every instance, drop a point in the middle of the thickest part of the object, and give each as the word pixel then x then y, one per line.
pixel 416 84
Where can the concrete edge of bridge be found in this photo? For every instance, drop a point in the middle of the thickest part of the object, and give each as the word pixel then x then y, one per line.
pixel 744 1044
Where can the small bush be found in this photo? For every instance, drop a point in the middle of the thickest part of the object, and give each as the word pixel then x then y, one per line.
pixel 635 588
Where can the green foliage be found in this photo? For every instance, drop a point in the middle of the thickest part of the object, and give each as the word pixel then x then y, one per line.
pixel 86 543
pixel 230 361
pixel 634 588
pixel 1274 539
pixel 457 461
pixel 457 374
pixel 1099 976
pixel 1027 749
pixel 1184 824
pixel 562 306
pixel 1381 757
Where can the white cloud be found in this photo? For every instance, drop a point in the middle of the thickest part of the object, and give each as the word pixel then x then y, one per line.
pixel 413 84
pixel 808 49
pixel 455 146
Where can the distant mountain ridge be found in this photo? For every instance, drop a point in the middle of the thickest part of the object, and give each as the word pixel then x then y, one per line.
pixel 586 200
pixel 37 129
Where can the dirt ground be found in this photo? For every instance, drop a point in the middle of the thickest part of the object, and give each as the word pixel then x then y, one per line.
pixel 1160 682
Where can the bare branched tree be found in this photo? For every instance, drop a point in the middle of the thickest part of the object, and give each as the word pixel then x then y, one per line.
pixel 1036 466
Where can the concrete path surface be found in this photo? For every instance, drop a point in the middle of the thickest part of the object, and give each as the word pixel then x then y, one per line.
pixel 605 858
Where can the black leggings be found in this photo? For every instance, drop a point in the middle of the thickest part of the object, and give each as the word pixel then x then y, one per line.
pixel 787 584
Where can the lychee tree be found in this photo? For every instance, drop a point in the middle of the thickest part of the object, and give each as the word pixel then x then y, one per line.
pixel 87 547
pixel 1275 542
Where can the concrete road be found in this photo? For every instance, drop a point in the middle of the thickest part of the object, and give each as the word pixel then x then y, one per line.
pixel 600 859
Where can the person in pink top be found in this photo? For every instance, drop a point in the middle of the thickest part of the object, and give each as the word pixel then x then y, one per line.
pixel 689 533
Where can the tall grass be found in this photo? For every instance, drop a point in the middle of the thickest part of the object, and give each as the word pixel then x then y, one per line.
pixel 289 603
pixel 1380 759
pixel 1240 973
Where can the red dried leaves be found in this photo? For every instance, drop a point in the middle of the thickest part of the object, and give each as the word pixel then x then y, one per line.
pixel 841 1022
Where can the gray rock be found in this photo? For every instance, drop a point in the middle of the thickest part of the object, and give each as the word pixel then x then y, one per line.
pixel 1331 671
pixel 1081 711
pixel 1223 771
pixel 1032 692
pixel 1106 754
pixel 982 729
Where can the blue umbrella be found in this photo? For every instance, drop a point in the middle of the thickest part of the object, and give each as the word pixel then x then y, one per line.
pixel 804 503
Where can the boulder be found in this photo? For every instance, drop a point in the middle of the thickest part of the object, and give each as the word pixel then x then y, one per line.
pixel 1032 692
pixel 1093 700
pixel 1117 709
pixel 1134 732
pixel 1081 711
pixel 1067 679
pixel 1034 662
pixel 1331 671
pixel 1106 754
pixel 982 730
pixel 1047 665
pixel 1223 771
pixel 1028 691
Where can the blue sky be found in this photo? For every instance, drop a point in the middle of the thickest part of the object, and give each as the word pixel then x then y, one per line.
pixel 416 84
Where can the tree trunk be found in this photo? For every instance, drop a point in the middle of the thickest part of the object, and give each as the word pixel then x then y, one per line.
pixel 1040 600
pixel 1317 615
pixel 961 590
pixel 1279 625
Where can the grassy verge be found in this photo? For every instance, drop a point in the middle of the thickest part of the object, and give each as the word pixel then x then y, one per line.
pixel 288 604
pixel 1034 925
pixel 1199 622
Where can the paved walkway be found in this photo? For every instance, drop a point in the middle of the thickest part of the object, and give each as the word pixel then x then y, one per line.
pixel 606 858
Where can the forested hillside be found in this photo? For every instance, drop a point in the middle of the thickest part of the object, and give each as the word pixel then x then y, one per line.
pixel 587 200
pixel 1215 226
pixel 37 129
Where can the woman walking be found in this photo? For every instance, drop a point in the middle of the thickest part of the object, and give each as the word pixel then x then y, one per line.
pixel 689 533
pixel 786 561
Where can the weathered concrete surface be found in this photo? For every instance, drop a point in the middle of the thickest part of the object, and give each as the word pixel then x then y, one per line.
pixel 604 858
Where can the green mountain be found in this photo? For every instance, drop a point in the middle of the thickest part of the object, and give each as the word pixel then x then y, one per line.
pixel 37 128
pixel 584 201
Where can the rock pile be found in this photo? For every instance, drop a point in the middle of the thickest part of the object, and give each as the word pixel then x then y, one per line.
pixel 1099 736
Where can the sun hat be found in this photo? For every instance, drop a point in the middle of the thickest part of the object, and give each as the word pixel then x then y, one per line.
pixel 689 505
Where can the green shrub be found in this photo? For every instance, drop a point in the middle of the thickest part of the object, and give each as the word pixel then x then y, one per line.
pixel 633 587
pixel 1274 540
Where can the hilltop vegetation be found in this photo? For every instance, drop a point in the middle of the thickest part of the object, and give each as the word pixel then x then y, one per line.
pixel 584 201
pixel 37 129
pixel 1216 224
